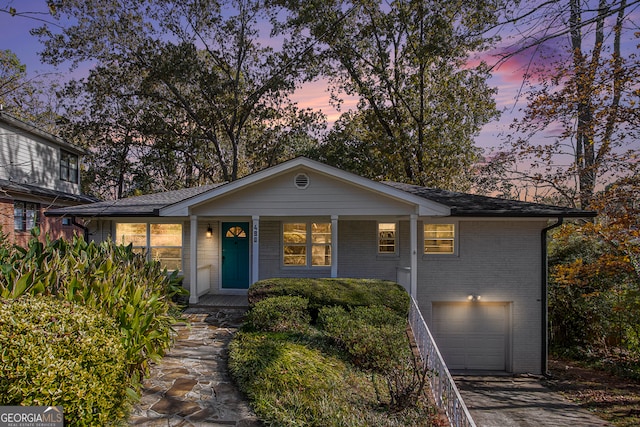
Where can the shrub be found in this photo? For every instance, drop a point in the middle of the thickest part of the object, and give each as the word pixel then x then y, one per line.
pixel 57 353
pixel 280 314
pixel 113 279
pixel 341 292
pixel 373 336
pixel 289 383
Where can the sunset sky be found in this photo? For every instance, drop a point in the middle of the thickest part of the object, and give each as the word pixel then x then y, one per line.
pixel 15 36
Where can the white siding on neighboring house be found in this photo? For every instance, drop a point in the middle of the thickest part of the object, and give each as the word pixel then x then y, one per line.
pixel 30 159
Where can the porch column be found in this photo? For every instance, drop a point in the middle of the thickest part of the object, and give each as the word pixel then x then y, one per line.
pixel 413 243
pixel 255 260
pixel 334 246
pixel 193 261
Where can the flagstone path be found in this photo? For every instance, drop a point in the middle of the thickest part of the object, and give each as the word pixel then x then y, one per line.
pixel 191 385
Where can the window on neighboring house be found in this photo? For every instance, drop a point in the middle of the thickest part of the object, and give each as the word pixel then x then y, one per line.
pixel 68 166
pixel 66 221
pixel 161 242
pixel 439 238
pixel 25 216
pixel 386 237
pixel 306 244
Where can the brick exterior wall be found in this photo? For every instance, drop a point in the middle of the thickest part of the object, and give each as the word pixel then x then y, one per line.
pixel 51 226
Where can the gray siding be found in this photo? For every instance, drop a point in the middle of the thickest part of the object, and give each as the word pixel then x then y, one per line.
pixel 501 262
pixel 278 196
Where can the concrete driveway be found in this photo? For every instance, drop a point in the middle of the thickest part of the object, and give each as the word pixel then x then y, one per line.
pixel 505 401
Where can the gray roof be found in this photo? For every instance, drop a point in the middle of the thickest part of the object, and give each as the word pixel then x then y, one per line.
pixel 462 204
pixel 33 190
pixel 147 205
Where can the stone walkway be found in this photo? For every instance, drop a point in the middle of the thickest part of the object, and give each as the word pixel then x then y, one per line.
pixel 191 386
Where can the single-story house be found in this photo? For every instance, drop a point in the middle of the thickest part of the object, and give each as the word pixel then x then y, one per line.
pixel 476 265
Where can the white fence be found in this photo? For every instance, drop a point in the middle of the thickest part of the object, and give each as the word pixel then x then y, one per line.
pixel 445 392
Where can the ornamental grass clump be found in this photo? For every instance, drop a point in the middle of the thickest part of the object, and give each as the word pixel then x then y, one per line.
pixel 58 353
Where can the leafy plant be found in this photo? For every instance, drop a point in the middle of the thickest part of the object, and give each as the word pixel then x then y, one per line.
pixel 62 354
pixel 112 279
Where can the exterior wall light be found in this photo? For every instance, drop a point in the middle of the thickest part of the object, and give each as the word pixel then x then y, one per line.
pixel 474 298
pixel 209 231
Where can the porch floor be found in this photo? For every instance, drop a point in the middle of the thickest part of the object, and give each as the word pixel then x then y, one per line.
pixel 221 301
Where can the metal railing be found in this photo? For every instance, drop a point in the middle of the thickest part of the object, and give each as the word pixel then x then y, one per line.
pixel 444 390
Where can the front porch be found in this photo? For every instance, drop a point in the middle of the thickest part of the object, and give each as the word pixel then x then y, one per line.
pixel 221 301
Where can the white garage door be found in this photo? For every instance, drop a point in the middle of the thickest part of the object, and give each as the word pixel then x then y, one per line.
pixel 472 336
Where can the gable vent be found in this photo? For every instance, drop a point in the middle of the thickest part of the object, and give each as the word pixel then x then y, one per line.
pixel 301 181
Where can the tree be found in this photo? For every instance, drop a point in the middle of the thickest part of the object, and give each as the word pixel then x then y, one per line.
pixel 420 103
pixel 595 274
pixel 581 121
pixel 23 96
pixel 207 84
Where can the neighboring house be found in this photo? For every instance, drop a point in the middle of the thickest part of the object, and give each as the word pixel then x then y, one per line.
pixel 475 265
pixel 38 171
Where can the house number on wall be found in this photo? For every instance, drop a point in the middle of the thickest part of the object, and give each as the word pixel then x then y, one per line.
pixel 255 233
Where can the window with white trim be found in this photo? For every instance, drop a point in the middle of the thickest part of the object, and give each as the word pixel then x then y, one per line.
pixel 387 237
pixel 306 244
pixel 25 215
pixel 160 242
pixel 439 238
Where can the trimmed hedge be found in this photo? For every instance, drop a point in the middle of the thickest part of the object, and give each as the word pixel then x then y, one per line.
pixel 280 314
pixel 341 292
pixel 57 353
pixel 373 336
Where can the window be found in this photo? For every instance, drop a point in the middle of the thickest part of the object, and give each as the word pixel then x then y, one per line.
pixel 164 241
pixel 386 237
pixel 306 244
pixel 25 216
pixel 68 167
pixel 439 238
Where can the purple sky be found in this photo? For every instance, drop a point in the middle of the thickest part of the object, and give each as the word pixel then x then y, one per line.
pixel 16 37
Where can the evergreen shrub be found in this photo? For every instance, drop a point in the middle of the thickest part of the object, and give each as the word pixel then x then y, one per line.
pixel 374 337
pixel 58 353
pixel 343 292
pixel 137 294
pixel 280 314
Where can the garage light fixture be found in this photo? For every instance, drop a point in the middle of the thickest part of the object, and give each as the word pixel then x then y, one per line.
pixel 209 231
pixel 474 298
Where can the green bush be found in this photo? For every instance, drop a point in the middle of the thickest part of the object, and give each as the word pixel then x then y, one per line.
pixel 341 292
pixel 373 336
pixel 290 384
pixel 57 353
pixel 112 279
pixel 280 314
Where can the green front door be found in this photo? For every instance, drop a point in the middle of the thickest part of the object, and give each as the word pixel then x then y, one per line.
pixel 235 255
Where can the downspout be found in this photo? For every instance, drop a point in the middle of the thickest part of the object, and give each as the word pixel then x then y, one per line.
pixel 85 229
pixel 544 296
